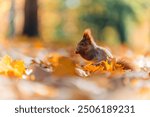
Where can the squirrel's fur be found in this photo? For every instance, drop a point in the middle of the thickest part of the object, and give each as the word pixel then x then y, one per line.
pixel 90 51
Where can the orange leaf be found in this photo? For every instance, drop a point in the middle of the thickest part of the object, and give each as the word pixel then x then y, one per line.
pixel 103 66
pixel 62 66
pixel 92 68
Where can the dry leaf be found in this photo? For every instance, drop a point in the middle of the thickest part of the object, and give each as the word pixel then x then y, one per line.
pixel 111 66
pixel 66 67
pixel 12 68
pixel 93 68
pixel 53 59
pixel 62 66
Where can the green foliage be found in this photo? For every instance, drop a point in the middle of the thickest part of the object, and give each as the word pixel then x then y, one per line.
pixel 101 13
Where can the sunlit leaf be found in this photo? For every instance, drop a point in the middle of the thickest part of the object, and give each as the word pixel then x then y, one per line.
pixel 12 68
pixel 111 66
pixel 92 68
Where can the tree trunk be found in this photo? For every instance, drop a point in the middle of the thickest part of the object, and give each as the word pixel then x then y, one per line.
pixel 31 18
pixel 11 30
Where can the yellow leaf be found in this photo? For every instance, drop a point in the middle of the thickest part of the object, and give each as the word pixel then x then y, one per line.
pixel 11 68
pixel 6 60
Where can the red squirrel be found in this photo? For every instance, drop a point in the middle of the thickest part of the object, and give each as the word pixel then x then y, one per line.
pixel 89 50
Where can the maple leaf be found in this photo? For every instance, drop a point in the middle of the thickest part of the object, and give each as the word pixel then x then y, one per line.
pixel 90 67
pixel 110 66
pixel 12 68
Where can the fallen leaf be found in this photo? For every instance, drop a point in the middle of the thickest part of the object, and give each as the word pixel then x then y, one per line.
pixel 65 67
pixel 111 66
pixel 12 68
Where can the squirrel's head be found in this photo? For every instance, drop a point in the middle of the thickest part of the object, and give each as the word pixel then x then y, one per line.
pixel 86 44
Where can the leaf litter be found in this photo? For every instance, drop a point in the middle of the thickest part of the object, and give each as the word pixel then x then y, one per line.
pixel 63 76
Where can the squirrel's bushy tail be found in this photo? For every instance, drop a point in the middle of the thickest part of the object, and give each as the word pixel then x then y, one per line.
pixel 126 64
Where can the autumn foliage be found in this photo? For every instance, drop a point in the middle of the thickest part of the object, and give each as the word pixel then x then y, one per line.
pixel 59 65
pixel 12 68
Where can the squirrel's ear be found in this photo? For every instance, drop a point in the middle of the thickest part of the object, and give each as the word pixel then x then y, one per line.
pixel 87 35
pixel 87 31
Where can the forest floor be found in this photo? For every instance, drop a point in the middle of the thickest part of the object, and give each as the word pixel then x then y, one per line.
pixel 34 70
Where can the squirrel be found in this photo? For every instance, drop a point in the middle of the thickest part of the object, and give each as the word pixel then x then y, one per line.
pixel 89 50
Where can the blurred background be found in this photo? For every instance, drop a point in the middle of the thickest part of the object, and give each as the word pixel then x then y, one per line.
pixel 113 22
pixel 39 38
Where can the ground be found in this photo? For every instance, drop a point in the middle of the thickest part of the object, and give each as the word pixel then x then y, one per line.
pixel 37 70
